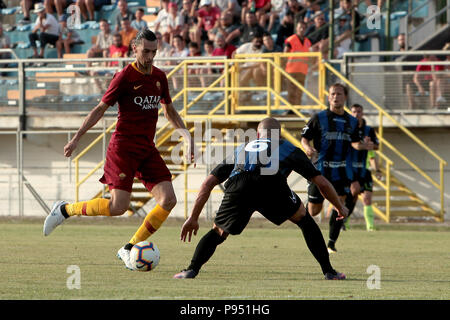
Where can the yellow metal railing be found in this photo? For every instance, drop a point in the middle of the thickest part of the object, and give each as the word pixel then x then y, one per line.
pixel 229 109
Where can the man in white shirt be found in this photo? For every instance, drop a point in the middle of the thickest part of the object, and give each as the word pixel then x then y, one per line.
pixel 48 28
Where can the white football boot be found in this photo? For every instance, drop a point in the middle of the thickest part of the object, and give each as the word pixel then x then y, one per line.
pixel 124 255
pixel 55 218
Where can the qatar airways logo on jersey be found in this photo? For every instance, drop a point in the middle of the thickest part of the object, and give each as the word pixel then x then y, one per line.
pixel 147 102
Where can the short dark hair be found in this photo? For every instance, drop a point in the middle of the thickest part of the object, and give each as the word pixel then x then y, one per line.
pixel 357 105
pixel 340 85
pixel 193 45
pixel 146 34
pixel 209 43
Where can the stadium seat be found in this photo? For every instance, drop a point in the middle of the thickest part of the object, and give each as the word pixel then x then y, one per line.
pixel 25 27
pixel 8 11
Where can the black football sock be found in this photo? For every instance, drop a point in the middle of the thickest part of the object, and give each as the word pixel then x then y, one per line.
pixel 350 203
pixel 315 242
pixel 335 227
pixel 205 249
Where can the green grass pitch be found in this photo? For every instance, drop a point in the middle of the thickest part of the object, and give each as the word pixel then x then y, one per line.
pixel 264 262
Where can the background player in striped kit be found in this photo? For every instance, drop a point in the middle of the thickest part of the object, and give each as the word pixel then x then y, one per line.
pixel 333 133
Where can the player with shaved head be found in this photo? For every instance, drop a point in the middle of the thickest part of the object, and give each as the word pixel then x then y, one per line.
pixel 256 177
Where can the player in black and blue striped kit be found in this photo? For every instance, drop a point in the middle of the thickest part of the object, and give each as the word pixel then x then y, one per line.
pixel 257 181
pixel 334 133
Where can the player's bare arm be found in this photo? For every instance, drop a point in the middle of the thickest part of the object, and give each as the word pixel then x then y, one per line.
pixel 92 118
pixel 309 150
pixel 175 120
pixel 367 144
pixel 191 224
pixel 329 193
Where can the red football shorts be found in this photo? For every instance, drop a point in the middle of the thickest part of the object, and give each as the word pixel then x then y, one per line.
pixel 126 159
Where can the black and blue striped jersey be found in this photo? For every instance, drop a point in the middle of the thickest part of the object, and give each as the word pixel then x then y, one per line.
pixel 332 135
pixel 359 157
pixel 266 157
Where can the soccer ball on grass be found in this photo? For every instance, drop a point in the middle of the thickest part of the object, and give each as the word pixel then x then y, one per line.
pixel 144 256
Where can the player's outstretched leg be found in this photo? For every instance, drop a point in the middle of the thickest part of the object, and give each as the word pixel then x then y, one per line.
pixel 316 244
pixel 204 251
pixel 61 211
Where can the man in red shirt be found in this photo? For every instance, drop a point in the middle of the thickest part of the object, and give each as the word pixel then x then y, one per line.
pixel 138 89
pixel 207 16
pixel 428 82
pixel 117 49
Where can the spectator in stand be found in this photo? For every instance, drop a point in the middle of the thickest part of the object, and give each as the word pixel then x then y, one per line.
pixel 103 41
pixel 250 70
pixel 127 32
pixel 318 31
pixel 138 23
pixel 117 49
pixel 208 48
pixel 225 27
pixel 124 13
pixel 269 44
pixel 179 50
pixel 67 37
pixel 247 31
pixel 174 21
pixel 297 67
pixel 260 7
pixel 58 5
pixel 286 28
pixel 297 9
pixel 207 16
pixel 194 51
pixel 222 48
pixel 164 50
pixel 231 6
pixel 89 7
pixel 46 30
pixel 5 43
pixel 187 13
pixel 26 6
pixel 312 7
pixel 344 26
pixel 162 20
pixel 273 15
pixel 428 82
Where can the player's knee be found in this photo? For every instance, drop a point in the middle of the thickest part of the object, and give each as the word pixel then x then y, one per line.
pixel 222 233
pixel 168 202
pixel 117 210
pixel 297 216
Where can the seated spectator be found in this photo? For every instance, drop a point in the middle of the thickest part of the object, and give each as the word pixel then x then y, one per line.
pixel 318 31
pixel 26 6
pixel 286 28
pixel 193 69
pixel 231 6
pixel 250 70
pixel 222 48
pixel 5 43
pixel 67 37
pixel 260 7
pixel 46 30
pixel 297 9
pixel 343 28
pixel 312 7
pixel 179 51
pixel 224 27
pixel 207 16
pixel 247 31
pixel 58 5
pixel 162 22
pixel 124 13
pixel 88 7
pixel 138 23
pixel 187 13
pixel 127 32
pixel 429 83
pixel 174 22
pixel 103 41
pixel 273 15
pixel 117 49
pixel 269 44
pixel 164 50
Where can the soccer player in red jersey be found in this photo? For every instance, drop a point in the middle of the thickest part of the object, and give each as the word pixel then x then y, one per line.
pixel 138 89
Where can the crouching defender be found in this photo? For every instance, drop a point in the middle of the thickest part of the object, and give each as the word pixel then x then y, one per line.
pixel 257 181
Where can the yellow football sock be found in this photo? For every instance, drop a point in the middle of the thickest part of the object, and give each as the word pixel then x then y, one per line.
pixel 152 222
pixel 94 207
